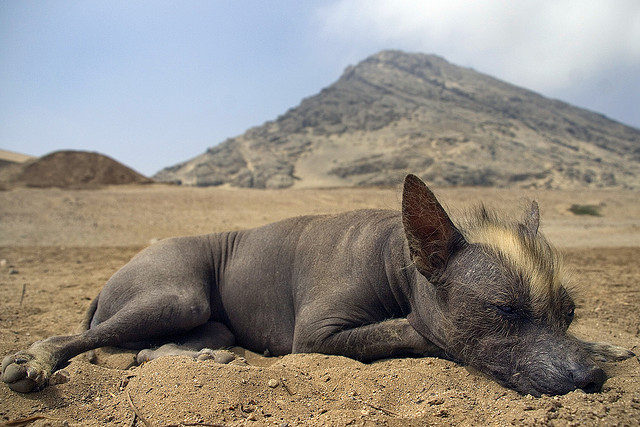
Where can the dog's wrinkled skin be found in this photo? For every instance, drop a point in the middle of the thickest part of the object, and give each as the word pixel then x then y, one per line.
pixel 368 284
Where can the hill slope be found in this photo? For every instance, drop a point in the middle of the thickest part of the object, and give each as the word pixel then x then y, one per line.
pixel 9 157
pixel 395 113
pixel 69 169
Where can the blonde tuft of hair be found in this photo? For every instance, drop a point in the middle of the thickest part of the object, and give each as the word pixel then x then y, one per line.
pixel 531 256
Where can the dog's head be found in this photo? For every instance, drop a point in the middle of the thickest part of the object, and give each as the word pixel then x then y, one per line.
pixel 494 294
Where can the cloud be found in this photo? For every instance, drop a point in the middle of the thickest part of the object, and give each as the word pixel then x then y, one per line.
pixel 541 44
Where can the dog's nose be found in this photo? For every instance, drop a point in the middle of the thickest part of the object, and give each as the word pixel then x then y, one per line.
pixel 589 379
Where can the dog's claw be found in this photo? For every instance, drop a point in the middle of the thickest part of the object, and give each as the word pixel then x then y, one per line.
pixel 32 374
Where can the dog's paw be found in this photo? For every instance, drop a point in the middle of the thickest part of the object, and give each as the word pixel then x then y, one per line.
pixel 605 352
pixel 218 356
pixel 25 372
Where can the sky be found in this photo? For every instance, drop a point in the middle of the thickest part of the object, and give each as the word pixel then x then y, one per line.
pixel 155 83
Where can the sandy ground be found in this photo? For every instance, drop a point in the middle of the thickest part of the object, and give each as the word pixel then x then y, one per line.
pixel 59 246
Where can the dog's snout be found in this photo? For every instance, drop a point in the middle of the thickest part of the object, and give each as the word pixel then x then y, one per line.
pixel 589 379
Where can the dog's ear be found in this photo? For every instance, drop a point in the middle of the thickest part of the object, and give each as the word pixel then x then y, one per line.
pixel 532 219
pixel 431 235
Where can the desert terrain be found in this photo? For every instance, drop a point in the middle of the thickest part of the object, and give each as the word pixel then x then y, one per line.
pixel 58 247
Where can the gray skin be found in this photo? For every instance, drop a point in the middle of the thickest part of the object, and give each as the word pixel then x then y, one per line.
pixel 368 284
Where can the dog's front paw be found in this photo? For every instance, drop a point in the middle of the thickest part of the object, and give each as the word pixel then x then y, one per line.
pixel 25 372
pixel 218 356
pixel 605 352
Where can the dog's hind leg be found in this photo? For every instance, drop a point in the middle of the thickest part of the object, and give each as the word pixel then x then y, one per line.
pixel 146 317
pixel 29 370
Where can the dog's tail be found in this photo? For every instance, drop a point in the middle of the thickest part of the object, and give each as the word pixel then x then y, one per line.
pixel 86 322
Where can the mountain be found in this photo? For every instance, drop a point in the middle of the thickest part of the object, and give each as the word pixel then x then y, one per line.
pixel 397 112
pixel 68 169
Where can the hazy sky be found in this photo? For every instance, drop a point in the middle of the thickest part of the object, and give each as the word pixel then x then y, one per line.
pixel 154 83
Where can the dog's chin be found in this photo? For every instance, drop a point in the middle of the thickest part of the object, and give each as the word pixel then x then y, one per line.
pixel 522 383
pixel 525 385
pixel 514 381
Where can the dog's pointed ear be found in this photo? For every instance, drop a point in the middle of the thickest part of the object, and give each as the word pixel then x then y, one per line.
pixel 431 235
pixel 532 219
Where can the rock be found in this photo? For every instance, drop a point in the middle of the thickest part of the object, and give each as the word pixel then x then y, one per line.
pixel 273 383
pixel 59 377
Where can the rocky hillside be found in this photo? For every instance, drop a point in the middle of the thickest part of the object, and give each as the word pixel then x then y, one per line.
pixel 395 113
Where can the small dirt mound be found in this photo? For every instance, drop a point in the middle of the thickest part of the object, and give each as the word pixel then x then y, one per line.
pixel 75 169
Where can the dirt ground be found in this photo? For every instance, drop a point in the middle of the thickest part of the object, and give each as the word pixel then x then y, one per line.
pixel 58 247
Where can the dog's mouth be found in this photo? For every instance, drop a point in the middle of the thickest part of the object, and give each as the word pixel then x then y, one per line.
pixel 521 372
pixel 586 378
pixel 525 385
pixel 522 383
pixel 541 377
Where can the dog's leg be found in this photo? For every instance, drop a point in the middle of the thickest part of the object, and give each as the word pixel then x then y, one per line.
pixel 202 343
pixel 605 352
pixel 163 292
pixel 393 337
pixel 140 320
